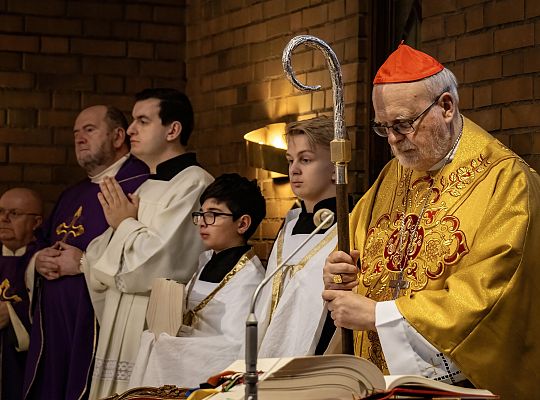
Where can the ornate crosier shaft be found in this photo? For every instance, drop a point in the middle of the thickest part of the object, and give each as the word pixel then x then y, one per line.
pixel 340 147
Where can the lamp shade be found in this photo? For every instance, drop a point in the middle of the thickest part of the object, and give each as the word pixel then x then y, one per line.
pixel 265 148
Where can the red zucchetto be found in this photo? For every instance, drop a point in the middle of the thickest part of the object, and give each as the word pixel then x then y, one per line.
pixel 407 65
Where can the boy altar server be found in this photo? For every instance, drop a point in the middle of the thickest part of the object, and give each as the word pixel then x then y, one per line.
pixel 290 307
pixel 218 295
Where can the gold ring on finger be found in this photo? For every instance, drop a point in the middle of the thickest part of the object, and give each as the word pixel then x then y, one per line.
pixel 337 278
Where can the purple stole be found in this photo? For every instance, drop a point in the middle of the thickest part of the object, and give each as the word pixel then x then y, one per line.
pixel 64 331
pixel 13 290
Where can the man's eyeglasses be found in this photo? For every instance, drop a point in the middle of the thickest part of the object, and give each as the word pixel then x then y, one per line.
pixel 209 217
pixel 14 214
pixel 402 127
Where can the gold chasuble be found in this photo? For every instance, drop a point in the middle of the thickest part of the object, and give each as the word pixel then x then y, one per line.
pixel 459 247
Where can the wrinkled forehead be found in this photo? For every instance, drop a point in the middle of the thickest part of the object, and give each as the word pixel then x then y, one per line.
pixel 91 116
pixel 395 101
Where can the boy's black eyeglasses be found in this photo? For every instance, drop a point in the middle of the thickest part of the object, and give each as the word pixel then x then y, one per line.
pixel 209 217
pixel 401 127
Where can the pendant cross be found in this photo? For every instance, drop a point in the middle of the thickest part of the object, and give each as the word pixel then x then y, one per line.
pixel 399 283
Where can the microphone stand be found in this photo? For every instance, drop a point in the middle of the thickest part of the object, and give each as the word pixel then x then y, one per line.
pixel 251 377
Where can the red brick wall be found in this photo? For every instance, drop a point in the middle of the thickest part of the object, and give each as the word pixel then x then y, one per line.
pixel 58 56
pixel 493 47
pixel 236 80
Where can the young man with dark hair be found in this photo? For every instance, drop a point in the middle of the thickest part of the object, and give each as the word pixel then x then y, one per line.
pixel 218 295
pixel 174 106
pixel 150 233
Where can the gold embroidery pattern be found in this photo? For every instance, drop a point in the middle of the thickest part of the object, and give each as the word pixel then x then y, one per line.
pixel 437 243
pixel 368 345
pixel 152 393
pixel 4 296
pixel 71 229
pixel 402 185
pixel 375 353
pixel 291 270
pixel 463 176
pixel 433 247
pixel 191 315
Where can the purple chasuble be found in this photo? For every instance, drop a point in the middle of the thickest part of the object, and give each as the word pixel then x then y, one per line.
pixel 13 290
pixel 64 331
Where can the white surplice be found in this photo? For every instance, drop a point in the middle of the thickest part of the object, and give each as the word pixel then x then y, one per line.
pixel 295 325
pixel 216 337
pixel 120 265
pixel 409 353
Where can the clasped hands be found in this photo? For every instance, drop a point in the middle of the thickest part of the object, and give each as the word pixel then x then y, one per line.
pixel 58 260
pixel 347 309
pixel 64 259
pixel 116 205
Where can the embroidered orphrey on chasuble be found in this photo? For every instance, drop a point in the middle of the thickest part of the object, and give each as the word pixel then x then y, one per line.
pixel 414 239
pixel 5 287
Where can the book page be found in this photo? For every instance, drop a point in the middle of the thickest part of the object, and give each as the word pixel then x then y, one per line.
pixel 362 369
pixel 266 365
pixel 393 381
pixel 165 307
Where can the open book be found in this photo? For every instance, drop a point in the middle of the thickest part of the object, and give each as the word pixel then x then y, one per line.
pixel 165 307
pixel 340 376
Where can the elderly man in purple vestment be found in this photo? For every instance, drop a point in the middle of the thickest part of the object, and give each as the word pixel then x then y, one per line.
pixel 21 212
pixel 64 332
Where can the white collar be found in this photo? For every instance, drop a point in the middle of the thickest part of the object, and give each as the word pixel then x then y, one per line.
pixel 111 170
pixel 10 253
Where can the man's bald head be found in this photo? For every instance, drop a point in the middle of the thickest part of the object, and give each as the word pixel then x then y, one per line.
pixel 100 137
pixel 25 199
pixel 21 212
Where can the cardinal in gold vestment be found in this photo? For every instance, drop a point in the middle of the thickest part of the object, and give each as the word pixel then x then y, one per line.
pixel 455 246
pixel 472 283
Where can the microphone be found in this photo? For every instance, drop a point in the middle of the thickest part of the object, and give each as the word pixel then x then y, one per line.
pixel 323 219
pixel 320 217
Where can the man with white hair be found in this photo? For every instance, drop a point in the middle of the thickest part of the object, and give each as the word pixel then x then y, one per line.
pixel 446 239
